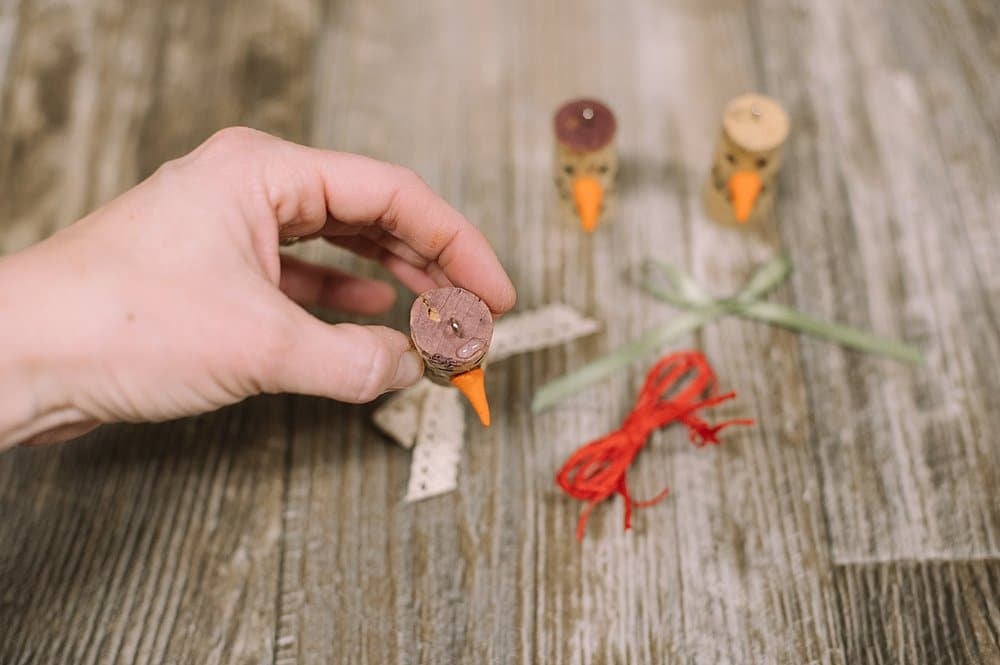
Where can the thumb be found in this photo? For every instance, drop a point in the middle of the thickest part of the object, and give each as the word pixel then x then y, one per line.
pixel 347 362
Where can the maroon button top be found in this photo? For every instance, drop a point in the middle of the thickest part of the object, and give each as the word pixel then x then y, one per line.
pixel 584 125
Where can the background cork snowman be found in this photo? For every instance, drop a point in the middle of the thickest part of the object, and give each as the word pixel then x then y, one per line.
pixel 586 160
pixel 741 187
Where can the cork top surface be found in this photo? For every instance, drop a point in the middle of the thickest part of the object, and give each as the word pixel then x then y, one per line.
pixel 585 125
pixel 451 328
pixel 755 122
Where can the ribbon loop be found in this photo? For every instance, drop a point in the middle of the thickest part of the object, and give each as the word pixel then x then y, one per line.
pixel 684 292
pixel 765 279
pixel 675 389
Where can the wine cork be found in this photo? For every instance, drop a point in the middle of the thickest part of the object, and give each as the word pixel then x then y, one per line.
pixel 586 158
pixel 452 330
pixel 741 186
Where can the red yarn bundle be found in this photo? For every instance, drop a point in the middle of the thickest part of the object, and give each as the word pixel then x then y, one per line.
pixel 675 389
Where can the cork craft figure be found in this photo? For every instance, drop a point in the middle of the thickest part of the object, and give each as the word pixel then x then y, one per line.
pixel 452 329
pixel 429 419
pixel 586 161
pixel 740 189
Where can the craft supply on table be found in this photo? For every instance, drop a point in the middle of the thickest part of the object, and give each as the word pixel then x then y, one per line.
pixel 741 186
pixel 682 291
pixel 586 159
pixel 429 417
pixel 675 389
pixel 452 329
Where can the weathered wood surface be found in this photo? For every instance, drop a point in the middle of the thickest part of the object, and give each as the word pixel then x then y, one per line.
pixel 858 522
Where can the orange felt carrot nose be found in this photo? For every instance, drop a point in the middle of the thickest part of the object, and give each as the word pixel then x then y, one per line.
pixel 472 385
pixel 587 193
pixel 745 187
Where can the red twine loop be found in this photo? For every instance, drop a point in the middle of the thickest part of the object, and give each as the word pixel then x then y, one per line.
pixel 597 470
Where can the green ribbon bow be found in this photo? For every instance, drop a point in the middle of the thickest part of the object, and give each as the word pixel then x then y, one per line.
pixel 684 292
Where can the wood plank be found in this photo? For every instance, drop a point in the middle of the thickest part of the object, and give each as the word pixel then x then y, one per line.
pixel 920 612
pixel 41 120
pixel 973 26
pixel 345 521
pixel 460 564
pixel 259 75
pixel 906 464
pixel 854 523
pixel 71 110
pixel 9 24
pixel 749 530
pixel 179 561
pixel 145 544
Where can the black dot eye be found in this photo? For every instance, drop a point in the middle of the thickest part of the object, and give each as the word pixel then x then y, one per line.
pixel 761 163
pixel 730 158
pixel 602 169
pixel 568 169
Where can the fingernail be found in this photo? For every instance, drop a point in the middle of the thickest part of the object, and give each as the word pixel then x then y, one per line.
pixel 409 370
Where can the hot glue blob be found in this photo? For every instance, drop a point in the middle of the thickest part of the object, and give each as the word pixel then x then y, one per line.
pixel 470 348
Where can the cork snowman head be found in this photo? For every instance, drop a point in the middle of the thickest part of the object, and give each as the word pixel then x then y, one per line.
pixel 586 161
pixel 451 329
pixel 746 161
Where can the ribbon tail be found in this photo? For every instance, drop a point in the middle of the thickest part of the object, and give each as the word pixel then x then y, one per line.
pixel 688 291
pixel 786 317
pixel 765 279
pixel 569 384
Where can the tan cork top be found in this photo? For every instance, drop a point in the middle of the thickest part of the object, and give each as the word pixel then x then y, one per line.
pixel 755 122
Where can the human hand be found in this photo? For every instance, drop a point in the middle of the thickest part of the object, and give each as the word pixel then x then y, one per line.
pixel 173 300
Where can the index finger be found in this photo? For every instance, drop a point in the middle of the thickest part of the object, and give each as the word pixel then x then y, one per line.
pixel 364 191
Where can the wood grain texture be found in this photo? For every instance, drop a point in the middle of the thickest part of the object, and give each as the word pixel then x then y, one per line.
pixel 903 448
pixel 858 522
pixel 920 612
pixel 125 543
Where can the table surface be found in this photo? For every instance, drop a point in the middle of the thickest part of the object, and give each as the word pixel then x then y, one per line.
pixel 857 522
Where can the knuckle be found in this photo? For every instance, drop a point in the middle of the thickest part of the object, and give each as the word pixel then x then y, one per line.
pixel 232 139
pixel 231 142
pixel 410 181
pixel 170 170
pixel 407 182
pixel 218 149
pixel 232 154
pixel 408 178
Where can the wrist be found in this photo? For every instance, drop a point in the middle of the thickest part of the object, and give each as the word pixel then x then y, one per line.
pixel 32 398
